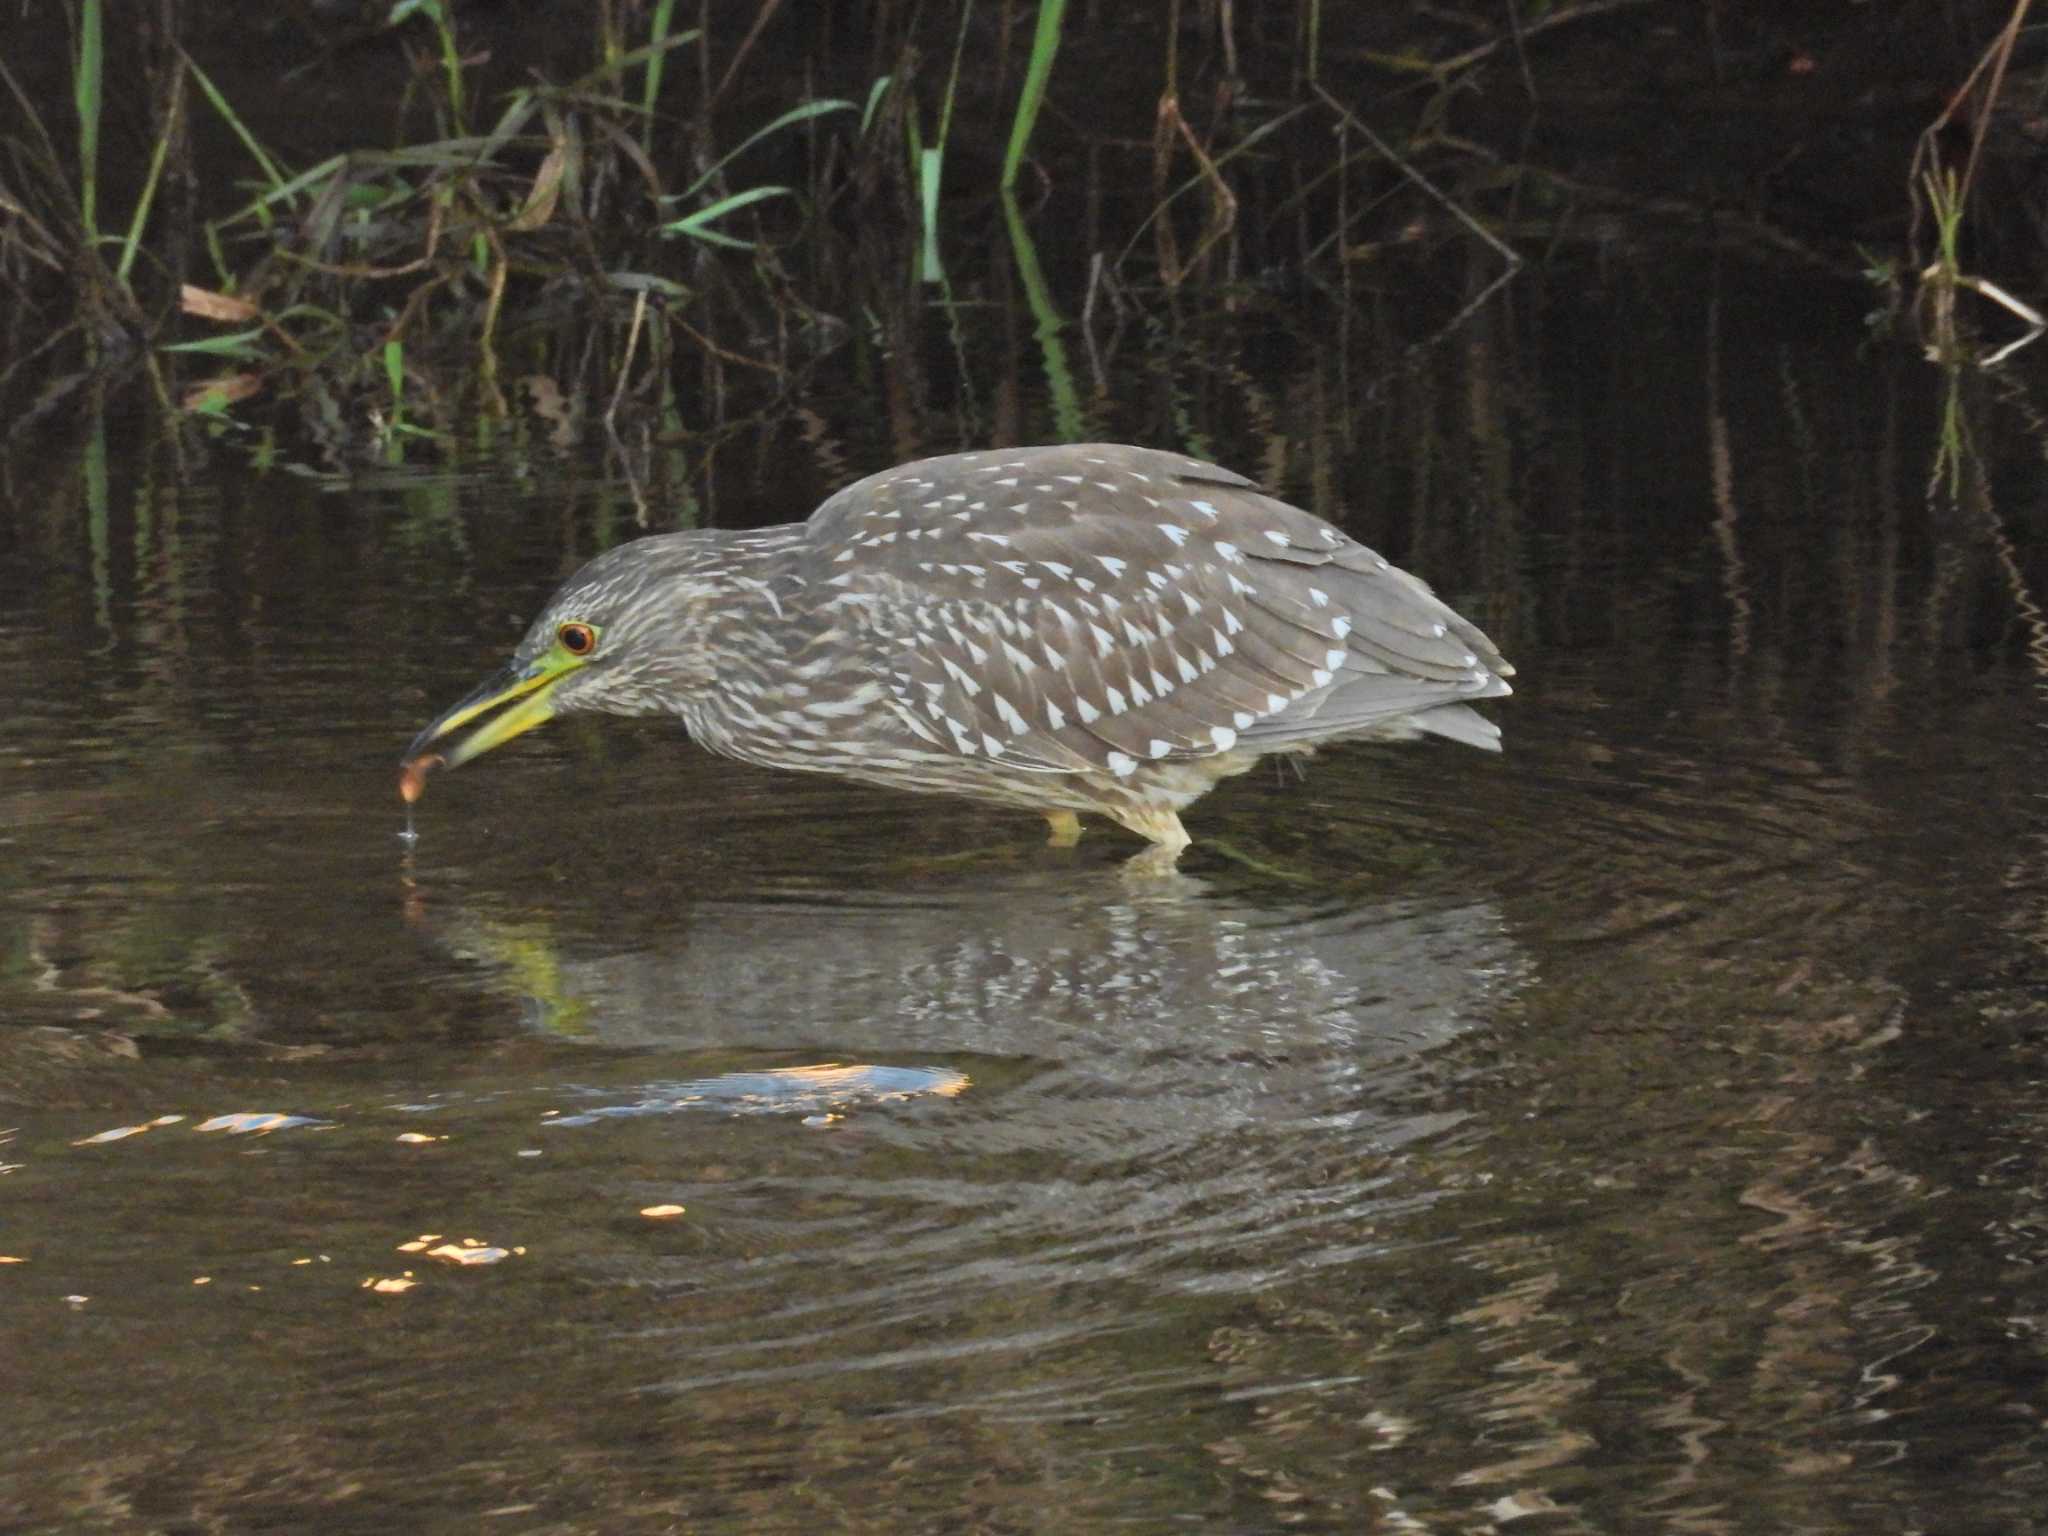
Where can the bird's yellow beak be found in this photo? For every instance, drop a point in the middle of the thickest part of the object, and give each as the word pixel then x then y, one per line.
pixel 526 689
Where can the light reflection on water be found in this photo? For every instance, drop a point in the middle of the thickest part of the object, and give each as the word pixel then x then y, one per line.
pixel 821 1092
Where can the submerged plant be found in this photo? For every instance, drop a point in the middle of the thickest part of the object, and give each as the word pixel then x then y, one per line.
pixel 1941 280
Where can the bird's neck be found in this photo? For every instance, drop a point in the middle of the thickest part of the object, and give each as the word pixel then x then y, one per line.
pixel 764 632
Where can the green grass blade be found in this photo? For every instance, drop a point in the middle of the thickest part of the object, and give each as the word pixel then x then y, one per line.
pixel 451 55
pixel 224 278
pixel 696 225
pixel 284 191
pixel 133 242
pixel 439 154
pixel 87 80
pixel 647 282
pixel 953 75
pixel 875 94
pixel 794 115
pixel 173 115
pixel 519 111
pixel 610 69
pixel 1068 418
pixel 931 161
pixel 394 376
pixel 928 163
pixel 327 317
pixel 235 345
pixel 1045 43
pixel 650 86
pixel 269 166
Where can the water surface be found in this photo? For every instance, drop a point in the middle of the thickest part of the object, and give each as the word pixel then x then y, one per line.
pixel 1642 1130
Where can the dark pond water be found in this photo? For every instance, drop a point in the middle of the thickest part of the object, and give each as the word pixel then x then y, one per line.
pixel 1646 1129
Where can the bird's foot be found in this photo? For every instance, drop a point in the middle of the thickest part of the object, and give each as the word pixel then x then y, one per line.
pixel 1169 839
pixel 1158 826
pixel 1160 862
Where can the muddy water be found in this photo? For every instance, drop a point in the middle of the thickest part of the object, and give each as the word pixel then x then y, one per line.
pixel 1641 1130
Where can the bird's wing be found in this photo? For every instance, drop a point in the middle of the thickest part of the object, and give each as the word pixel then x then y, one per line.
pixel 1095 607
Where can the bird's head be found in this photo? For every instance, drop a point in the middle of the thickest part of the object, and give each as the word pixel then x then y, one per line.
pixel 617 638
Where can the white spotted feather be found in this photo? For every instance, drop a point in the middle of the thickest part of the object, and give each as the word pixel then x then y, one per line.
pixel 1278 631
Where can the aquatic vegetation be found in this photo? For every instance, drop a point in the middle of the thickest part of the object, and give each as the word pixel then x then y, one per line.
pixel 615 196
pixel 660 198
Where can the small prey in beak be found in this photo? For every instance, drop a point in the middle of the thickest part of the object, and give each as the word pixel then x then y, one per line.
pixel 522 696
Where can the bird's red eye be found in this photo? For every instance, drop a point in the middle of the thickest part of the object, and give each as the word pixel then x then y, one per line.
pixel 577 638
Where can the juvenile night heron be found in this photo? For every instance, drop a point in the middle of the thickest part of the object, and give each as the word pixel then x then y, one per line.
pixel 1080 628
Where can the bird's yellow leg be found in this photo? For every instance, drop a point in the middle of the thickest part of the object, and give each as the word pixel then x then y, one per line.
pixel 1066 829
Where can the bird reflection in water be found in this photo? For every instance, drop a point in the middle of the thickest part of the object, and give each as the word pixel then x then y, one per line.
pixel 1093 1010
